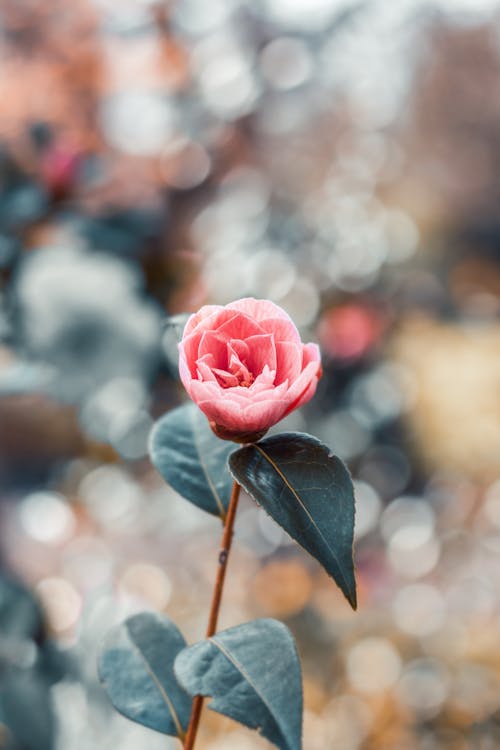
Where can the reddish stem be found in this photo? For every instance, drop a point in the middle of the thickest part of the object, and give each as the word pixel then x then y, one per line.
pixel 227 538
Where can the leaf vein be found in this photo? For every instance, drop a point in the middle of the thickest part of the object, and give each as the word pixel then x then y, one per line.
pixel 304 508
pixel 247 677
pixel 163 693
pixel 212 486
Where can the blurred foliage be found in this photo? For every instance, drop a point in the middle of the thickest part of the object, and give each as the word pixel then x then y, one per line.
pixel 29 665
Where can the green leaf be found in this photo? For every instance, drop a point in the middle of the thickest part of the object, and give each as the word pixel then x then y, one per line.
pixel 136 669
pixel 309 493
pixel 253 674
pixel 192 459
pixel 173 328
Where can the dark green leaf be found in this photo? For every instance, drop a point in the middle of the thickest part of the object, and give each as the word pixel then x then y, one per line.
pixel 309 492
pixel 191 459
pixel 253 674
pixel 136 669
pixel 172 334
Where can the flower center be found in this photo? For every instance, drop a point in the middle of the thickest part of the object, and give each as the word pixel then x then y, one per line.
pixel 237 372
pixel 245 377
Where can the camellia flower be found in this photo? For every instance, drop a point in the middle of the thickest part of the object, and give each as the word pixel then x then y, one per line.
pixel 245 366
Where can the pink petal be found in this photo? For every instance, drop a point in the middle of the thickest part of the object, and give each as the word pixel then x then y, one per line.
pixel 235 362
pixel 283 329
pixel 262 352
pixel 271 318
pixel 201 390
pixel 262 415
pixel 242 394
pixel 258 309
pixel 310 353
pixel 226 379
pixel 241 371
pixel 211 390
pixel 266 377
pixel 207 359
pixel 264 390
pixel 204 369
pixel 184 370
pixel 289 361
pixel 300 391
pixel 225 412
pixel 239 326
pixel 214 344
pixel 193 331
pixel 304 397
pixel 194 320
pixel 239 348
pixel 188 349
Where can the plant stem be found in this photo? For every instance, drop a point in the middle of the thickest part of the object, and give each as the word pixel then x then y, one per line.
pixel 227 538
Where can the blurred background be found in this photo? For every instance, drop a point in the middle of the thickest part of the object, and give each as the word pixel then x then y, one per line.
pixel 341 158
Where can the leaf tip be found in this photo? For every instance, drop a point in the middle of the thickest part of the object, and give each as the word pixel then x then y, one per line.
pixel 352 597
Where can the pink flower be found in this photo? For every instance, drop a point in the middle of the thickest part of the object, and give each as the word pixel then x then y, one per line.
pixel 245 366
